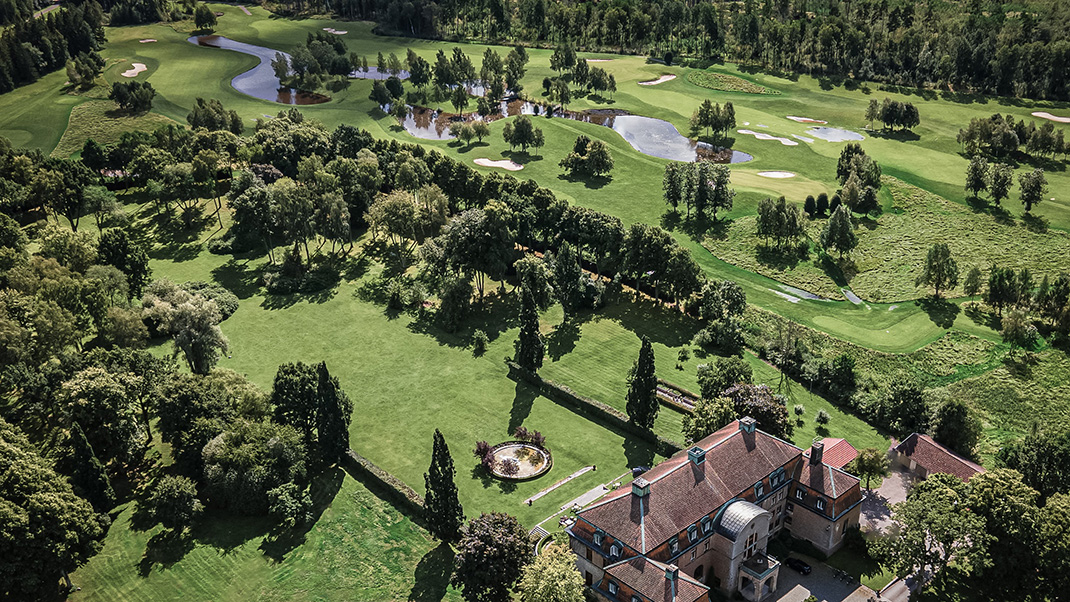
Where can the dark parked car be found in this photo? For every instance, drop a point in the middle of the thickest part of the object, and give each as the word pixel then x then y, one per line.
pixel 798 565
pixel 638 470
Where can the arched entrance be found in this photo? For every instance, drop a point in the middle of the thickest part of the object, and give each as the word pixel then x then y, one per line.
pixel 700 573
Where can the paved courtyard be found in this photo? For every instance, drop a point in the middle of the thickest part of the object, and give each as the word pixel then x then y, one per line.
pixel 821 582
pixel 876 509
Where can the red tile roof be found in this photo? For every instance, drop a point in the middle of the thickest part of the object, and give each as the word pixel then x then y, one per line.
pixel 838 452
pixel 823 479
pixel 681 493
pixel 934 457
pixel 647 577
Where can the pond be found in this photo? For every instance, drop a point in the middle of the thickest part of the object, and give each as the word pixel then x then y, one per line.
pixel 260 81
pixel 650 136
pixel 834 134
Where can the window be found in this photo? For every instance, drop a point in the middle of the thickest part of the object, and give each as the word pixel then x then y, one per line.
pixel 693 555
pixel 800 494
pixel 706 546
pixel 820 504
pixel 598 536
pixel 789 507
pixel 590 555
pixel 692 533
pixel 759 489
pixel 636 599
pixel 707 525
pixel 777 477
pixel 752 544
pixel 614 550
pixel 674 547
pixel 612 588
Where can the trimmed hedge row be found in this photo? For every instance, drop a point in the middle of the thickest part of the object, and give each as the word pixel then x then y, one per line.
pixel 402 493
pixel 592 408
pixel 674 405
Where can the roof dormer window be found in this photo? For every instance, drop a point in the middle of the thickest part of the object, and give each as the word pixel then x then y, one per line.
pixel 692 533
pixel 820 504
pixel 599 535
pixel 614 550
pixel 612 587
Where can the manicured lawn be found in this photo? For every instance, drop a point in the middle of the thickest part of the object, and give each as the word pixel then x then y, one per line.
pixel 864 569
pixel 360 548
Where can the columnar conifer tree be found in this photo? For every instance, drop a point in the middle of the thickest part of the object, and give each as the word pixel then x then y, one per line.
pixel 87 474
pixel 642 398
pixel 529 345
pixel 442 508
pixel 332 416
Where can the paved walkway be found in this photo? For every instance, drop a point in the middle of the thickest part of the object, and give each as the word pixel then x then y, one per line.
pixel 877 507
pixel 538 495
pixel 821 582
pixel 587 498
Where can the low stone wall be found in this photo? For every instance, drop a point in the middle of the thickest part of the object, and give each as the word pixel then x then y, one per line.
pixel 593 409
pixel 391 485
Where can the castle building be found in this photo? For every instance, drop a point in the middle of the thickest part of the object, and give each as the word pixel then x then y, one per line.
pixel 703 519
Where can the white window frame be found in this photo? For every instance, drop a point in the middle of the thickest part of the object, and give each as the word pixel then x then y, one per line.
pixel 674 546
pixel 759 489
pixel 800 494
pixel 612 587
pixel 614 550
pixel 598 537
pixel 820 504
pixel 707 525
pixel 692 533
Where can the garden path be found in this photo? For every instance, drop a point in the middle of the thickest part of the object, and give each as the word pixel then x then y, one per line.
pixel 538 495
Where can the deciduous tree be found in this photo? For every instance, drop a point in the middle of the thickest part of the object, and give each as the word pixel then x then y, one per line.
pixel 491 556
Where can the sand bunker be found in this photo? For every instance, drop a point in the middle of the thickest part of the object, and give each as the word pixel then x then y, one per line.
pixel 504 164
pixel 853 298
pixel 776 174
pixel 803 138
pixel 834 134
pixel 134 70
pixel 805 119
pixel 1047 115
pixel 148 41
pixel 245 10
pixel 660 80
pixel 786 296
pixel 764 136
pixel 337 32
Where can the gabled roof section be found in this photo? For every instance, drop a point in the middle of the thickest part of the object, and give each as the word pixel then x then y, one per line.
pixel 934 457
pixel 824 479
pixel 682 492
pixel 838 452
pixel 647 577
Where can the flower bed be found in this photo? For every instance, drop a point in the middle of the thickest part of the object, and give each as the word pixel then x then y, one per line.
pixel 529 461
pixel 726 83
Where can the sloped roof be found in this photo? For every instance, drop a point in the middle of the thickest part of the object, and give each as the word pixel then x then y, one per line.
pixel 824 479
pixel 838 452
pixel 934 457
pixel 681 493
pixel 647 577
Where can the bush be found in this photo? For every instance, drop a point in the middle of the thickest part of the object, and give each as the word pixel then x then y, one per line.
pixel 684 355
pixel 479 342
pixel 509 467
pixel 226 300
pixel 800 409
pixel 290 505
pixel 822 417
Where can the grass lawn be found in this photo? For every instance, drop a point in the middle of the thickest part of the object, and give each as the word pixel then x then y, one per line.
pixel 864 569
pixel 99 120
pixel 360 548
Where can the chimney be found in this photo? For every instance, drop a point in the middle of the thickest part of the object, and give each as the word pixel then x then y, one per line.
pixel 697 455
pixel 747 424
pixel 640 487
pixel 672 573
pixel 816 451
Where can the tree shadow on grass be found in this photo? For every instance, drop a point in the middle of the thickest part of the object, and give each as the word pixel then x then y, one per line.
pixel 236 277
pixel 485 478
pixel 833 270
pixel 978 314
pixel 1020 365
pixel 899 135
pixel 497 313
pixel 1035 223
pixel 659 323
pixel 523 399
pixel 226 531
pixel 165 549
pixel 778 258
pixel 322 490
pixel 564 338
pixel 589 182
pixel 521 157
pixel 941 311
pixel 433 575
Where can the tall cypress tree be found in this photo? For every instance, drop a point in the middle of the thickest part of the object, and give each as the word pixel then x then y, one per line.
pixel 441 505
pixel 642 398
pixel 87 474
pixel 332 416
pixel 529 346
pixel 294 395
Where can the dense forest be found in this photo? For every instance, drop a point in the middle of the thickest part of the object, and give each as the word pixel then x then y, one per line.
pixel 33 47
pixel 976 45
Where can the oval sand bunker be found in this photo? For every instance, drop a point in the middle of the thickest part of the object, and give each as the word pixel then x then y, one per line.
pixel 135 68
pixel 504 164
pixel 660 80
pixel 764 136
pixel 776 174
pixel 834 134
pixel 1049 116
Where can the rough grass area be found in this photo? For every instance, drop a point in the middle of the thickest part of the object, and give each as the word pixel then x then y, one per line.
pixel 1019 392
pixel 951 358
pixel 360 548
pixel 891 249
pixel 101 121
pixel 726 83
